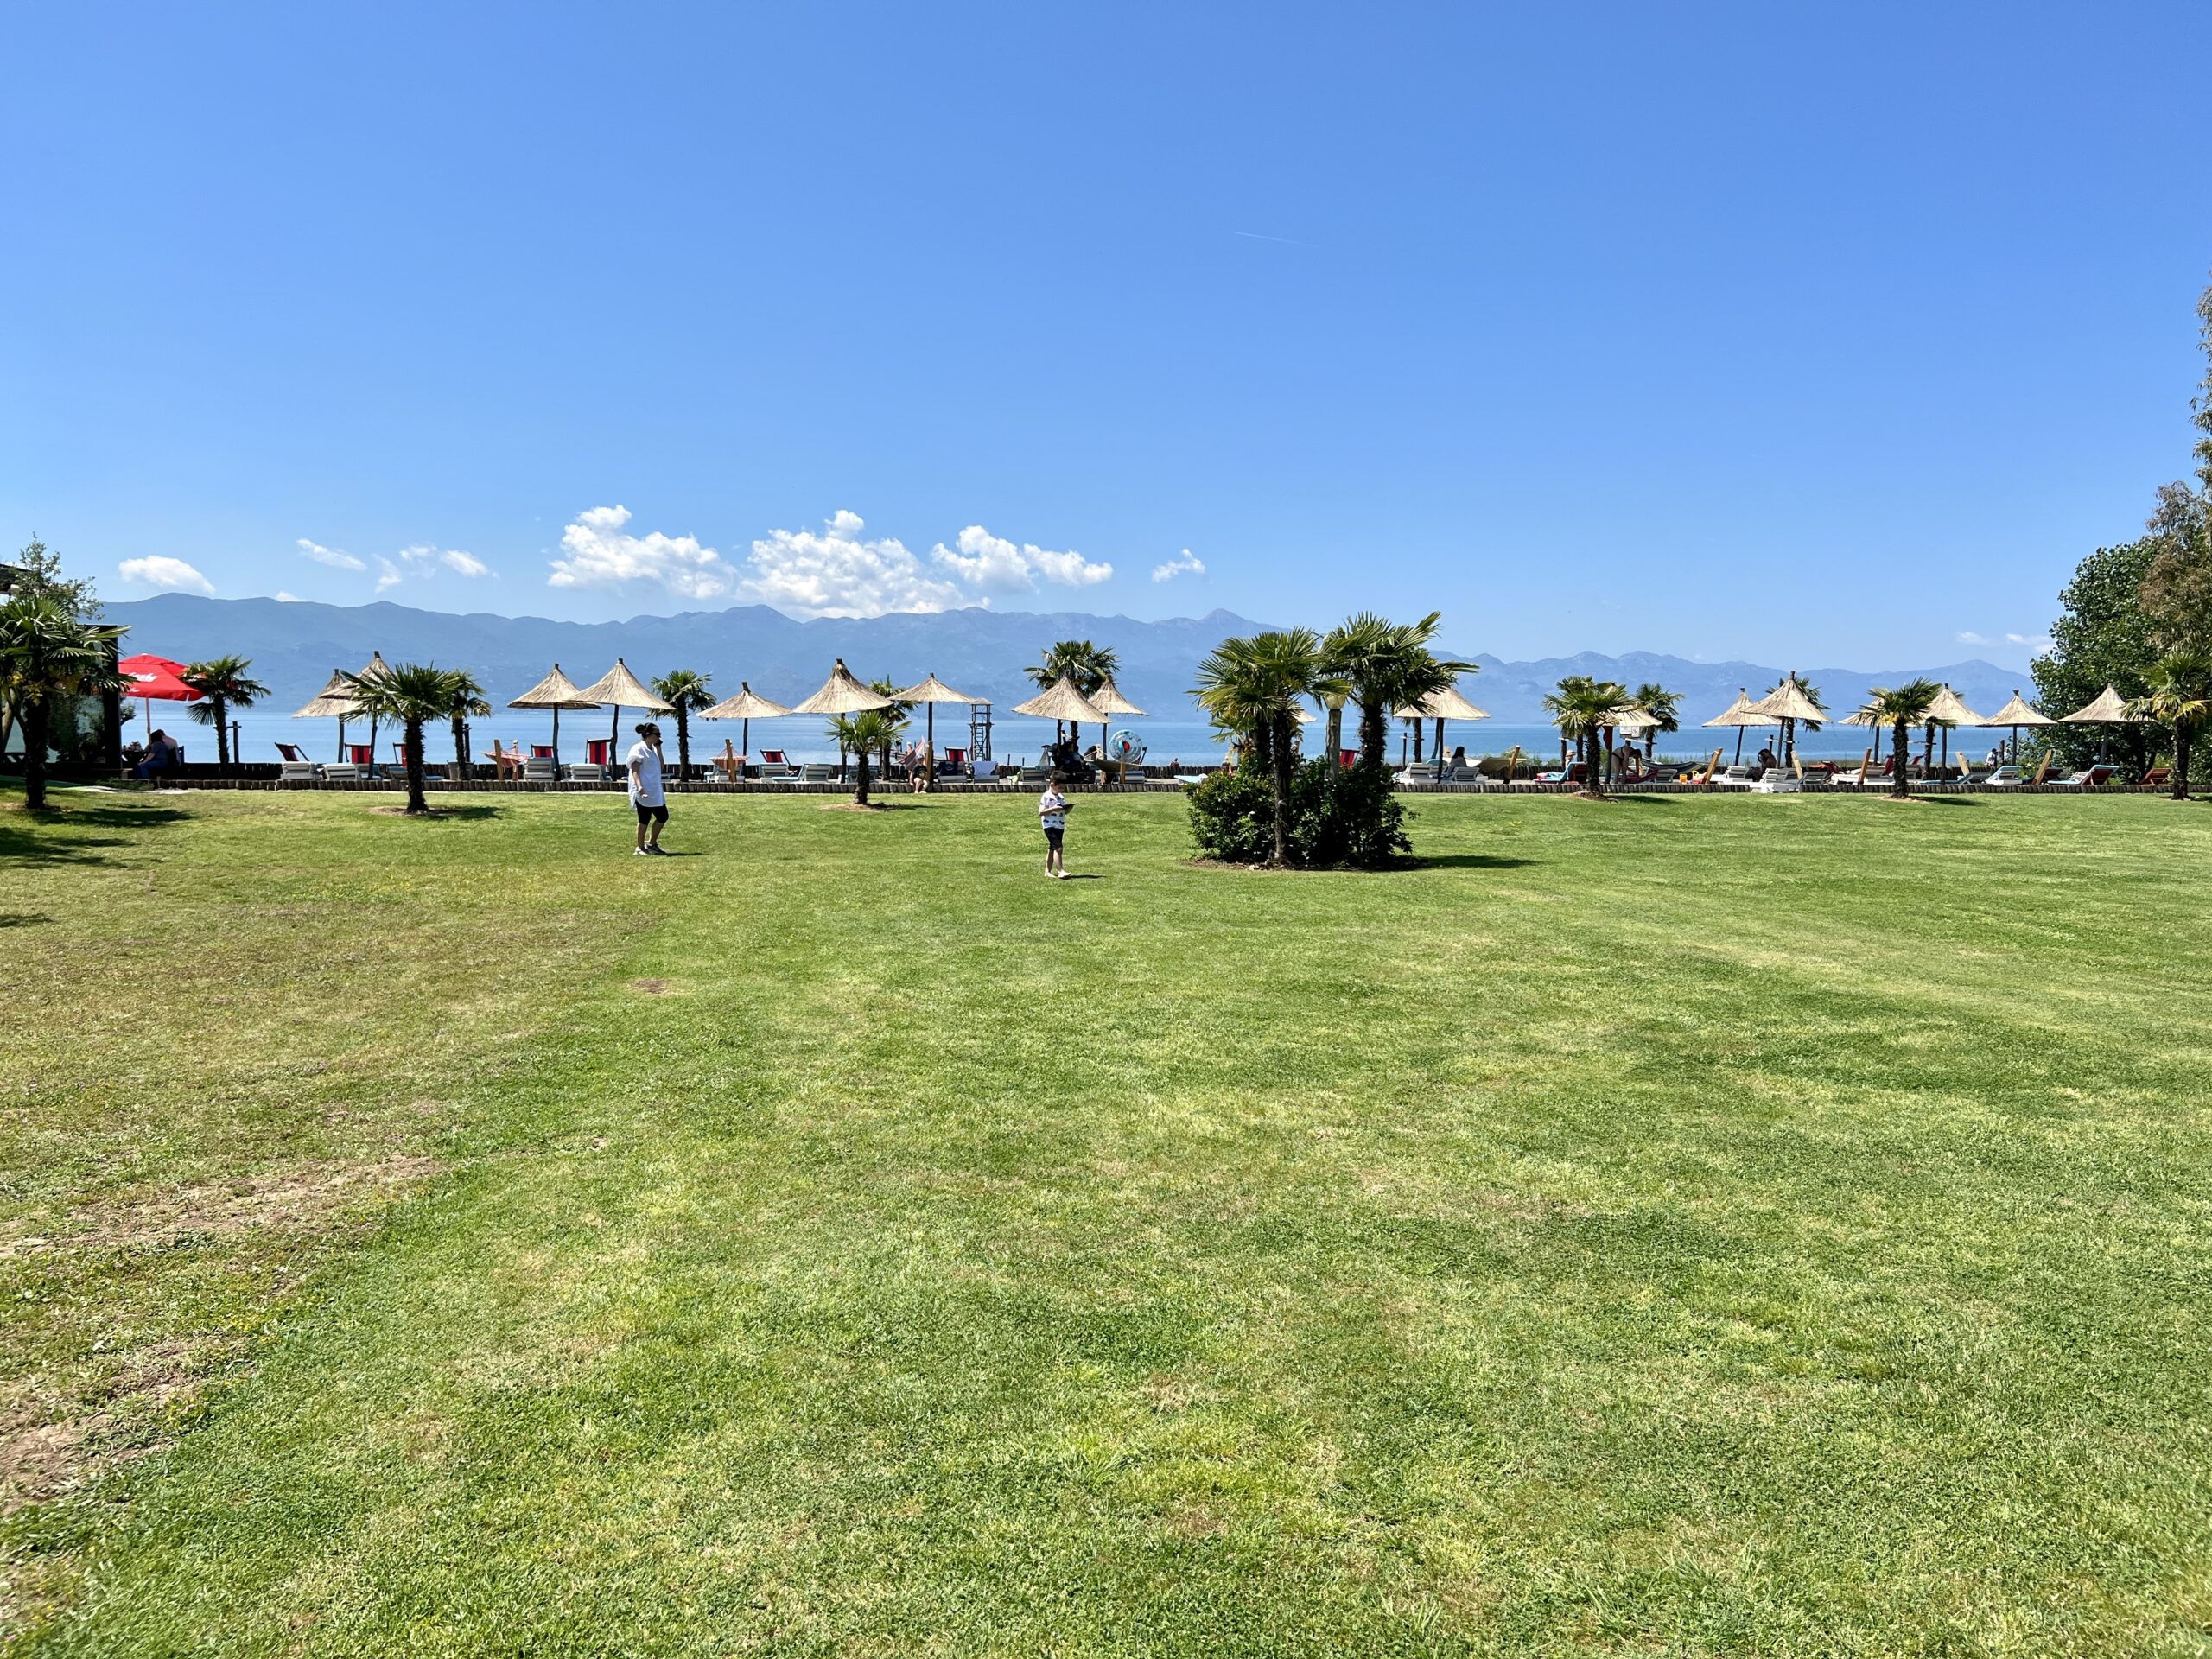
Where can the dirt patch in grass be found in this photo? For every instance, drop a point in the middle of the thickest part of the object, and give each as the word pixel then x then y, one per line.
pixel 650 987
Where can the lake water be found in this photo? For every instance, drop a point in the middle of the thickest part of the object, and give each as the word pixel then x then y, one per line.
pixel 1015 739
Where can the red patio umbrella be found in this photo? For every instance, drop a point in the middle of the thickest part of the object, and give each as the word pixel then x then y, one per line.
pixel 153 679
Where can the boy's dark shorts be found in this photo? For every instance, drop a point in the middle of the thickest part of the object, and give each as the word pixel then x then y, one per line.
pixel 1052 839
pixel 652 814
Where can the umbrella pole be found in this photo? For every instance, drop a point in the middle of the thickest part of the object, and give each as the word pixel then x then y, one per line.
pixel 557 739
pixel 1739 746
pixel 745 737
pixel 341 737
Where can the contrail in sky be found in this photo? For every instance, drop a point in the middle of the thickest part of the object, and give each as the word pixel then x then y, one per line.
pixel 1288 241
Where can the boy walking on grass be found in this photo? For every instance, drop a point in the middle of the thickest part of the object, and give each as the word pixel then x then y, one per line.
pixel 1053 814
pixel 646 794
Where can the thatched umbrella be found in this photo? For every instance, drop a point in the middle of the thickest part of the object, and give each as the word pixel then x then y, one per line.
pixel 841 694
pixel 1947 711
pixel 1440 706
pixel 1742 715
pixel 556 691
pixel 2107 708
pixel 624 690
pixel 1786 705
pixel 1063 702
pixel 929 693
pixel 746 706
pixel 1108 699
pixel 2016 714
pixel 375 669
pixel 334 701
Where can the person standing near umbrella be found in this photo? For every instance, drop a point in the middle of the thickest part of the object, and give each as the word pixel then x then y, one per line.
pixel 645 792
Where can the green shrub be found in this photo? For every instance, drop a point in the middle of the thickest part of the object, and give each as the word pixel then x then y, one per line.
pixel 1350 819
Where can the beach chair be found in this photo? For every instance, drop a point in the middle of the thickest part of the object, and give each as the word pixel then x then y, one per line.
pixel 587 771
pixel 1417 773
pixel 1035 775
pixel 293 766
pixel 774 763
pixel 540 769
pixel 505 763
pixel 2088 778
pixel 730 764
pixel 2006 777
pixel 1736 777
pixel 817 772
pixel 2157 777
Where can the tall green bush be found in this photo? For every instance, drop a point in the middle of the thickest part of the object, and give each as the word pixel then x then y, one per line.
pixel 1349 819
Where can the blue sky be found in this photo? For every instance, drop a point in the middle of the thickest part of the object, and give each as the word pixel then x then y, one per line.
pixel 1793 332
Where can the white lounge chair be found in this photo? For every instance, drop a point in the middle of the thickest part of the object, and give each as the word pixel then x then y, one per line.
pixel 587 771
pixel 2006 777
pixel 1417 772
pixel 540 769
pixel 1735 778
pixel 817 772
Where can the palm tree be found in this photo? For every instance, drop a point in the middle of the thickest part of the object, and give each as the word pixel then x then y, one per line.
pixel 684 690
pixel 1901 708
pixel 863 734
pixel 410 695
pixel 2180 698
pixel 1665 708
pixel 1388 664
pixel 1252 687
pixel 48 654
pixel 1581 708
pixel 222 684
pixel 468 704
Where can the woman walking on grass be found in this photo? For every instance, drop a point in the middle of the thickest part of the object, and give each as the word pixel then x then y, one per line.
pixel 646 794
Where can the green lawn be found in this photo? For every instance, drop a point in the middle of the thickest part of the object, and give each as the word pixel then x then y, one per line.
pixel 1677 1226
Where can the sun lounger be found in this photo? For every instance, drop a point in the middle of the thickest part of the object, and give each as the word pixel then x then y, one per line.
pixel 540 769
pixel 1736 777
pixel 1418 772
pixel 293 766
pixel 587 771
pixel 817 772
pixel 2088 778
pixel 1035 775
pixel 2006 777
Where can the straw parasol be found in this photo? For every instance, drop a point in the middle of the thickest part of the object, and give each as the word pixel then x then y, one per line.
pixel 841 694
pixel 556 691
pixel 1947 711
pixel 929 693
pixel 334 701
pixel 1440 706
pixel 1787 704
pixel 2016 714
pixel 624 690
pixel 747 705
pixel 375 669
pixel 1108 699
pixel 1741 714
pixel 2108 707
pixel 1063 702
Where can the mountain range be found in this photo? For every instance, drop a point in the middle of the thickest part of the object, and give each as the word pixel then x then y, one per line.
pixel 295 644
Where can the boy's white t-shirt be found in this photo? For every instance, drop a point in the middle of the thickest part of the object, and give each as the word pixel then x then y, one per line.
pixel 645 775
pixel 1052 808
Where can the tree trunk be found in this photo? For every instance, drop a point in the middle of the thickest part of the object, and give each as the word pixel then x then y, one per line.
pixel 1901 756
pixel 1282 773
pixel 459 749
pixel 2181 735
pixel 411 749
pixel 860 783
pixel 1373 734
pixel 222 736
pixel 35 730
pixel 1594 777
pixel 1335 738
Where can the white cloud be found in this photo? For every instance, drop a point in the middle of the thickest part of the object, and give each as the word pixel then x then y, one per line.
pixel 841 572
pixel 2032 641
pixel 467 565
pixel 283 598
pixel 171 575
pixel 997 566
pixel 602 554
pixel 1968 636
pixel 1187 565
pixel 336 557
pixel 387 574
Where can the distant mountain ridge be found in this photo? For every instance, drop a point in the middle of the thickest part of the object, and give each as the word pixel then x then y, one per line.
pixel 295 644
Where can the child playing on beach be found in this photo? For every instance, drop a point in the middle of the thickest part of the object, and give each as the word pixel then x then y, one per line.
pixel 1053 814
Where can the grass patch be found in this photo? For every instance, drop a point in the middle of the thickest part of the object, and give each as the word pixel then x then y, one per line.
pixel 1758 1226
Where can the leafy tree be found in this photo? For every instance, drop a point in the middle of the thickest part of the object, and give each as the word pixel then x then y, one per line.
pixel 469 702
pixel 1901 708
pixel 39 571
pixel 1580 707
pixel 684 690
pixel 1253 687
pixel 48 653
pixel 410 696
pixel 1663 706
pixel 2176 597
pixel 2101 638
pixel 223 685
pixel 2180 698
pixel 1388 665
